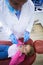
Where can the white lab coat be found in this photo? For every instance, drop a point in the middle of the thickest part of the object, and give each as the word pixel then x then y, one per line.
pixel 25 22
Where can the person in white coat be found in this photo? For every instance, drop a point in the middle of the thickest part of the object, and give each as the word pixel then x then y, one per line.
pixel 17 17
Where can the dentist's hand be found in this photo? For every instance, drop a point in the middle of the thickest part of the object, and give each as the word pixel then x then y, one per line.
pixel 26 36
pixel 13 39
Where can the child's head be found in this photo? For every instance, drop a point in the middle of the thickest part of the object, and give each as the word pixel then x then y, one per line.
pixel 27 49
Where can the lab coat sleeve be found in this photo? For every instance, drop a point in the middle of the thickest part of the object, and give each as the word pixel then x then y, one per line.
pixel 31 20
pixel 6 28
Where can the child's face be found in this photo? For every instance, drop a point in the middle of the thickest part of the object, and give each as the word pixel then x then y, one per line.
pixel 26 49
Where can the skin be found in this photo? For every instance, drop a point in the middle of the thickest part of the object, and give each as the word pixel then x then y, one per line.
pixel 25 48
pixel 17 4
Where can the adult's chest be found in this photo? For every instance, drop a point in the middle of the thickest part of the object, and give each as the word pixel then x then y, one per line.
pixel 16 23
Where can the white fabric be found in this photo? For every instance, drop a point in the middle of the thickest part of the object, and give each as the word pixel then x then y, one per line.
pixel 12 50
pixel 25 22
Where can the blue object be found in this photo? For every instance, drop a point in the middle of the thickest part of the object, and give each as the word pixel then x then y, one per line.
pixel 13 39
pixel 4 51
pixel 37 2
pixel 18 14
pixel 12 10
pixel 26 36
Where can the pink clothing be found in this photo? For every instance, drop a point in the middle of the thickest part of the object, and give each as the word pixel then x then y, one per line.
pixel 20 43
pixel 18 57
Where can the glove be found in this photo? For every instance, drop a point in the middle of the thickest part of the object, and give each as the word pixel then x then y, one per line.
pixel 26 36
pixel 13 39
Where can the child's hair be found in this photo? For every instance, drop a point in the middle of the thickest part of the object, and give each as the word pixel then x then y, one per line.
pixel 31 50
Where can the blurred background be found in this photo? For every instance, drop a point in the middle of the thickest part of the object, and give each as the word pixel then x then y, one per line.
pixel 37 31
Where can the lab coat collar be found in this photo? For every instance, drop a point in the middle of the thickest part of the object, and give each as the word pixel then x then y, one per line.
pixel 12 10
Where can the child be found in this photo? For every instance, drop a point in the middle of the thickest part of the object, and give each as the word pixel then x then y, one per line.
pixel 19 55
